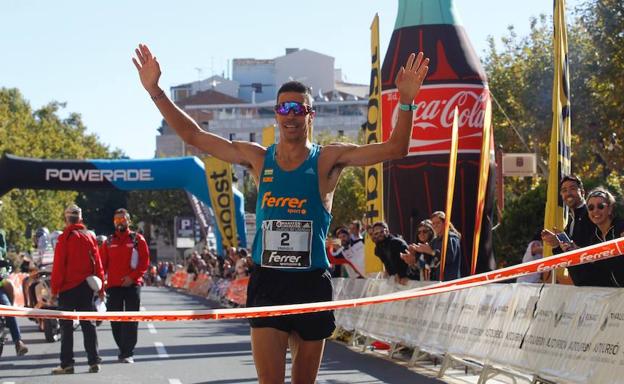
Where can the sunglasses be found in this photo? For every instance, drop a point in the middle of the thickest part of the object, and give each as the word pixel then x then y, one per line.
pixel 423 231
pixel 600 206
pixel 299 109
pixel 119 220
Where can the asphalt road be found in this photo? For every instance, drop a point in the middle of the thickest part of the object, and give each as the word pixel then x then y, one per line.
pixel 184 352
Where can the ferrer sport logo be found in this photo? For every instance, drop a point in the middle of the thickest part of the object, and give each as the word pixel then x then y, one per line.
pixel 98 175
pixel 292 204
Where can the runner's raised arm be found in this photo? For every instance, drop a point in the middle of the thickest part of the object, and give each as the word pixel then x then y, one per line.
pixel 247 154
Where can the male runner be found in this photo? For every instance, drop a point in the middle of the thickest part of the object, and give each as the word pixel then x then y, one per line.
pixel 296 182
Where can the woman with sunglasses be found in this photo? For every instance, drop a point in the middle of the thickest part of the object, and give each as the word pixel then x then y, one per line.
pixel 419 262
pixel 453 261
pixel 600 205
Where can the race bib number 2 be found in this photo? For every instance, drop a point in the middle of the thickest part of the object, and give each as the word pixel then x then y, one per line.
pixel 286 244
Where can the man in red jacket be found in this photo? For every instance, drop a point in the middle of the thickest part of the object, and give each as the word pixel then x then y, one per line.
pixel 76 257
pixel 125 256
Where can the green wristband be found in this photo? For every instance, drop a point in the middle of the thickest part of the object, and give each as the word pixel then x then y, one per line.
pixel 407 107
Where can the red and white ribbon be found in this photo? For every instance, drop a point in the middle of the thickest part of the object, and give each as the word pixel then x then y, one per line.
pixel 602 251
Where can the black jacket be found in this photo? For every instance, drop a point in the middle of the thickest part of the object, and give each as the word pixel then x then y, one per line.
pixel 582 234
pixel 453 263
pixel 610 272
pixel 389 251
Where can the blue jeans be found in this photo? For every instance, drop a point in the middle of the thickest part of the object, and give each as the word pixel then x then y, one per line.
pixel 10 321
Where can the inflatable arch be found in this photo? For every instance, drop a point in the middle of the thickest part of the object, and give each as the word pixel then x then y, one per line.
pixel 186 173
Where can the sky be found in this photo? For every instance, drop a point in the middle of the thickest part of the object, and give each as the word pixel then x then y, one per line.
pixel 79 52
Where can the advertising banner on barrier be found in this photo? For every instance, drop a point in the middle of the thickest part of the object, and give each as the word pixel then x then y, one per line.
pixel 567 334
pixel 237 291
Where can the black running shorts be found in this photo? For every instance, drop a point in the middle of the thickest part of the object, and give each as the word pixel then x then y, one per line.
pixel 273 287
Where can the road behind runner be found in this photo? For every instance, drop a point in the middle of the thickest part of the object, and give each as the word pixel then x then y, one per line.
pixel 184 352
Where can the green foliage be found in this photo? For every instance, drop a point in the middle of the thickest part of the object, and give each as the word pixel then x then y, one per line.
pixel 158 208
pixel 521 76
pixel 522 221
pixel 98 208
pixel 250 193
pixel 350 196
pixel 40 134
pixel 602 22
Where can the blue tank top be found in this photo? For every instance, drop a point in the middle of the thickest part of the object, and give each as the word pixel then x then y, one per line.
pixel 291 221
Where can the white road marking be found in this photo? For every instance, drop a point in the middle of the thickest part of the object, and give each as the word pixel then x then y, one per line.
pixel 151 328
pixel 142 309
pixel 13 382
pixel 160 348
pixel 175 381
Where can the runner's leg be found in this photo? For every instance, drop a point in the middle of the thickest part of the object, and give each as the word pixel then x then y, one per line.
pixel 306 358
pixel 269 352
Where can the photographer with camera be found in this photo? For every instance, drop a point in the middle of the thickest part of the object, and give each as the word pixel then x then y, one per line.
pixel 579 230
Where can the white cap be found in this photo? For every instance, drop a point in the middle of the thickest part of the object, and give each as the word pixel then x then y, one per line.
pixel 73 210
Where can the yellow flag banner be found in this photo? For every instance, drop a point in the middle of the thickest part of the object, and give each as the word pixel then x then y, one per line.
pixel 449 191
pixel 373 174
pixel 556 212
pixel 484 170
pixel 268 135
pixel 219 178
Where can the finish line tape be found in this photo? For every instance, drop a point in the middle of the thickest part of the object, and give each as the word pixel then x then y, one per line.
pixel 602 251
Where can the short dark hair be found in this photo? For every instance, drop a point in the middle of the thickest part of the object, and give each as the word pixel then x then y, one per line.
pixel 573 178
pixel 380 224
pixel 340 230
pixel 296 86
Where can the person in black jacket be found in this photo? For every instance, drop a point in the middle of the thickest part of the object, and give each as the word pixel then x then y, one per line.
pixel 579 228
pixel 609 272
pixel 389 248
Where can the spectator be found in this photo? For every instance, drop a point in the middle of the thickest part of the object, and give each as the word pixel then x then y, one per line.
pixel 338 250
pixel 389 248
pixel 600 205
pixel 534 251
pixel 126 259
pixel 163 270
pixel 6 298
pixel 76 257
pixel 579 228
pixel 26 263
pixel 419 259
pixel 242 270
pixel 355 230
pixel 453 263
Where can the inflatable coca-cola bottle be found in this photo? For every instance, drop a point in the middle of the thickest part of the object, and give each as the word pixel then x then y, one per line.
pixel 416 185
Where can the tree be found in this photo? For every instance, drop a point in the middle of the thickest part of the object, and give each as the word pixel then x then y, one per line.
pixel 349 198
pixel 158 208
pixel 602 21
pixel 41 134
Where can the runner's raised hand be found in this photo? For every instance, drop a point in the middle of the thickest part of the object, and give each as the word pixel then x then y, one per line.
pixel 411 76
pixel 149 69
